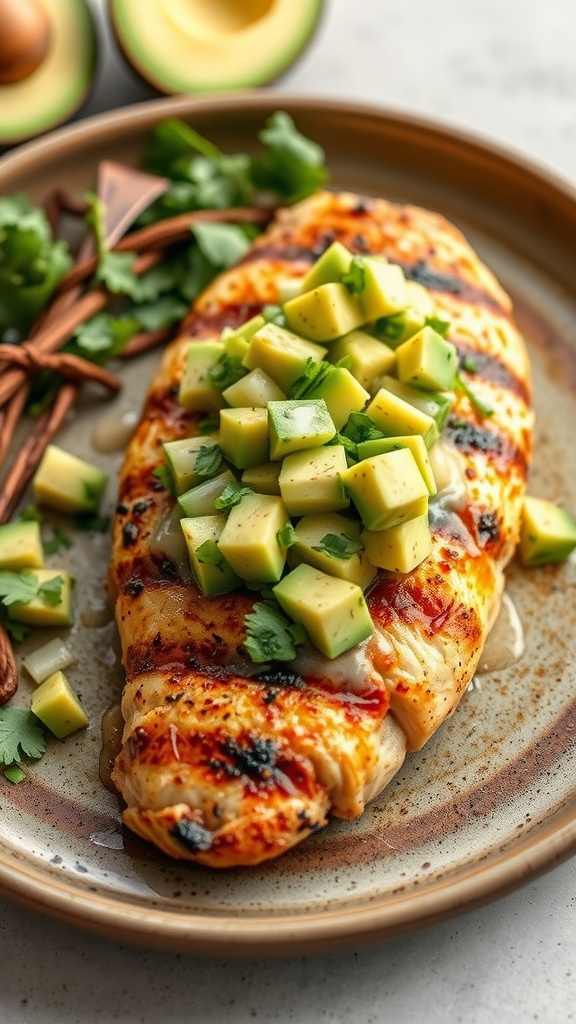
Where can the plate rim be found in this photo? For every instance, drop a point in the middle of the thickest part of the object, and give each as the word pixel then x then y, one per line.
pixel 279 934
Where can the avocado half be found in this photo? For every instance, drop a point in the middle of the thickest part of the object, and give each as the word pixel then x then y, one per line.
pixel 58 86
pixel 184 46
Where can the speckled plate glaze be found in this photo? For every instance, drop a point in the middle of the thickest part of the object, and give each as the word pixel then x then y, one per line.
pixel 491 800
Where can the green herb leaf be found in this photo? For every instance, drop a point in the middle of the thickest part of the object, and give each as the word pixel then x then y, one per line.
pixel 359 427
pixel 103 336
pixel 92 523
pixel 95 218
pixel 209 553
pixel 440 326
pixel 57 542
pixel 14 774
pixel 21 735
pixel 50 593
pixel 484 410
pixel 221 244
pixel 292 165
pixel 225 371
pixel 275 315
pixel 315 373
pixel 163 474
pixel 115 271
pixel 390 326
pixel 17 631
pixel 17 587
pixel 339 545
pixel 208 461
pixel 268 635
pixel 31 514
pixel 232 495
pixel 171 141
pixel 155 316
pixel 469 364
pixel 287 536
pixel 355 278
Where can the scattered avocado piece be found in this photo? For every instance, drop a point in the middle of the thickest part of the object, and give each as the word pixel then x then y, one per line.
pixel 394 417
pixel 281 354
pixel 414 442
pixel 60 83
pixel 39 612
pixel 387 489
pixel 249 540
pixel 436 404
pixel 400 548
pixel 310 481
pixel 182 456
pixel 298 424
pixel 196 390
pixel 21 546
pixel 57 706
pixel 263 478
pixel 333 611
pixel 256 389
pixel 428 361
pixel 325 313
pixel 315 546
pixel 183 47
pixel 547 533
pixel 199 500
pixel 67 483
pixel 330 266
pixel 342 393
pixel 368 357
pixel 210 569
pixel 244 436
pixel 383 291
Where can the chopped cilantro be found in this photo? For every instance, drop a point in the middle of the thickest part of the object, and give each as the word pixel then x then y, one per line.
pixel 17 587
pixel 232 495
pixel 440 326
pixel 116 272
pixel 315 373
pixel 57 542
pixel 50 593
pixel 21 735
pixel 469 364
pixel 287 536
pixel 163 474
pixel 208 461
pixel 484 410
pixel 165 311
pixel 355 277
pixel 269 634
pixel 225 371
pixel 360 427
pixel 221 244
pixel 274 315
pixel 209 553
pixel 339 545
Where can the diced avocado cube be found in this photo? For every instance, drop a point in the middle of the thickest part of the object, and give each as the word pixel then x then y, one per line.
pixel 331 542
pixel 427 360
pixel 256 389
pixel 383 290
pixel 196 392
pixel 325 313
pixel 244 436
pixel 547 533
pixel 51 657
pixel 415 442
pixel 369 358
pixel 67 483
pixel 310 481
pixel 281 354
pixel 297 424
pixel 46 612
pixel 199 500
pixel 57 706
pixel 332 611
pixel 263 478
pixel 400 548
pixel 236 341
pixel 396 417
pixel 21 546
pixel 330 266
pixel 399 327
pixel 436 404
pixel 182 456
pixel 387 489
pixel 342 394
pixel 249 540
pixel 210 569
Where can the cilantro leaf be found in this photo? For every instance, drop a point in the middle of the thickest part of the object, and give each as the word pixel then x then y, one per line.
pixel 208 461
pixel 171 141
pixel 209 553
pixel 164 476
pixel 232 495
pixel 57 542
pixel 339 545
pixel 21 735
pixel 275 315
pixel 50 593
pixel 355 277
pixel 115 271
pixel 221 244
pixel 268 634
pixel 103 336
pixel 287 536
pixel 314 374
pixel 225 371
pixel 484 410
pixel 360 427
pixel 17 631
pixel 165 311
pixel 291 165
pixel 440 326
pixel 17 587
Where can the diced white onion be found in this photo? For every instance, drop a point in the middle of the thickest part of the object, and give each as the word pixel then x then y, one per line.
pixel 53 656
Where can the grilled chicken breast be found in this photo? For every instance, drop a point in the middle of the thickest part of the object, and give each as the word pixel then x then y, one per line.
pixel 225 762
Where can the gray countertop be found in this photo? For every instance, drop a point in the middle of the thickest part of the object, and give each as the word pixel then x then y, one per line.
pixel 506 71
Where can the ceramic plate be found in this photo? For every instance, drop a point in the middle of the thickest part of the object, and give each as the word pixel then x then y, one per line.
pixel 491 800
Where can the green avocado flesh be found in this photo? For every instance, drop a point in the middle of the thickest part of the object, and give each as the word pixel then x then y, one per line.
pixel 197 46
pixel 60 83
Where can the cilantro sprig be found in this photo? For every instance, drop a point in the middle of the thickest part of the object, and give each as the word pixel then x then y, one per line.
pixel 270 636
pixel 21 736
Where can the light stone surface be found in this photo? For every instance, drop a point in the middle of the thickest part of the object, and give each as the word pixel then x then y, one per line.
pixel 504 70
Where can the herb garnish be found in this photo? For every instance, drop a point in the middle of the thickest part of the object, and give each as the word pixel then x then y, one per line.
pixel 270 636
pixel 339 545
pixel 21 735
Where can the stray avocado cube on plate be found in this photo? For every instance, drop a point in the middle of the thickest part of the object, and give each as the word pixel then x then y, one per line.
pixel 427 360
pixel 57 706
pixel 21 546
pixel 199 500
pixel 249 539
pixel 281 354
pixel 297 424
pixel 332 611
pixel 369 357
pixel 192 460
pixel 209 567
pixel 244 436
pixel 255 389
pixel 310 480
pixel 387 489
pixel 415 442
pixel 400 548
pixel 325 313
pixel 197 392
pixel 330 266
pixel 331 542
pixel 67 483
pixel 52 603
pixel 547 532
